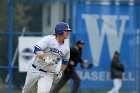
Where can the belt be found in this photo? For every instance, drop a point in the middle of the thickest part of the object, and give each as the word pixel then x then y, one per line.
pixel 40 69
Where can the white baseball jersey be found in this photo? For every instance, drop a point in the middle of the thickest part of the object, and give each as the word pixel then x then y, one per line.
pixel 50 46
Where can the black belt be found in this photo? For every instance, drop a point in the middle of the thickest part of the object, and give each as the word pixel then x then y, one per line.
pixel 40 69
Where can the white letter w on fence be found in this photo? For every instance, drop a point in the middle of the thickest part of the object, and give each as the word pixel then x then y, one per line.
pixel 112 26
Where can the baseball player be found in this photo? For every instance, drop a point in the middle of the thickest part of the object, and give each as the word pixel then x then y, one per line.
pixel 117 70
pixel 51 52
pixel 70 72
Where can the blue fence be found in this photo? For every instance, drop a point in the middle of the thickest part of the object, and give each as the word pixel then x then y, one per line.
pixel 107 28
pixel 92 27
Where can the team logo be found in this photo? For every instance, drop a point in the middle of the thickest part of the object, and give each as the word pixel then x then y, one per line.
pixel 55 50
pixel 27 54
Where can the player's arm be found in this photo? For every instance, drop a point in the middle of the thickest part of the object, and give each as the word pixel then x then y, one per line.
pixel 82 63
pixel 65 61
pixel 42 55
pixel 64 64
pixel 39 52
pixel 40 46
pixel 63 67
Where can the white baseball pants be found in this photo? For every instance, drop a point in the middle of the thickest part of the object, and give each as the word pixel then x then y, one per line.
pixel 37 81
pixel 117 83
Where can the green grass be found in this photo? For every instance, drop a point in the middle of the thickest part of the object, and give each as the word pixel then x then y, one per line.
pixel 65 89
pixel 86 91
pixel 4 90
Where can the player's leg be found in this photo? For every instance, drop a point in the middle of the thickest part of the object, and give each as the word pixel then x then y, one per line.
pixel 113 89
pixel 45 83
pixel 118 84
pixel 31 80
pixel 76 79
pixel 57 87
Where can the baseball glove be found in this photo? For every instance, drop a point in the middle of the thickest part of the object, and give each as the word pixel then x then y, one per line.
pixel 87 66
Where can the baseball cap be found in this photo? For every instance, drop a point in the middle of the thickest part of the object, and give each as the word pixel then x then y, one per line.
pixel 62 26
pixel 80 42
pixel 117 53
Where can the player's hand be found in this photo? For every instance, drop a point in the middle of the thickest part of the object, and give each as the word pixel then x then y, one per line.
pixel 59 74
pixel 48 60
pixel 72 63
pixel 86 65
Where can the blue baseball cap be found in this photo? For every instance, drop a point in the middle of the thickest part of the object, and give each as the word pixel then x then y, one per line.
pixel 62 26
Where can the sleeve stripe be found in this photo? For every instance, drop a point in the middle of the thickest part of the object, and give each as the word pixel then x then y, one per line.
pixel 37 46
pixel 36 49
pixel 65 62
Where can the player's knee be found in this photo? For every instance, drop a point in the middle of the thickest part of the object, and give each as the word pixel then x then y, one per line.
pixel 116 89
pixel 25 90
pixel 78 81
pixel 42 91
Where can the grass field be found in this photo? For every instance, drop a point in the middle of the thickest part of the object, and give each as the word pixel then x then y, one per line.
pixel 65 89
